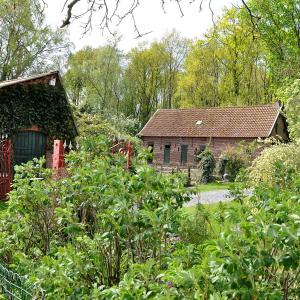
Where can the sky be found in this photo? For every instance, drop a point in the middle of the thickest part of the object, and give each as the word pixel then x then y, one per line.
pixel 149 17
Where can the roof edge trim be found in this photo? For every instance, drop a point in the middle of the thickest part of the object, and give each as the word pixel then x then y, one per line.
pixel 275 121
pixel 140 133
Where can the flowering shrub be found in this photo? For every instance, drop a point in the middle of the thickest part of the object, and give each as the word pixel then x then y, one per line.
pixel 265 168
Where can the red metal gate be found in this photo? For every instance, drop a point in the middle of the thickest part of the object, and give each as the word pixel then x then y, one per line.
pixel 5 166
pixel 125 148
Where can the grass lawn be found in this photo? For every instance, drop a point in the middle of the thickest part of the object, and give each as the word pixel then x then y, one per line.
pixel 211 210
pixel 213 186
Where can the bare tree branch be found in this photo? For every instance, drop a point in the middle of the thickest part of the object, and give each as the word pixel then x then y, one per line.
pixel 67 21
pixel 111 9
pixel 253 17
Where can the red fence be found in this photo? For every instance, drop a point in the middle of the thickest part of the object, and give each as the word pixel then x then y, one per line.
pixel 5 167
pixel 58 157
pixel 124 148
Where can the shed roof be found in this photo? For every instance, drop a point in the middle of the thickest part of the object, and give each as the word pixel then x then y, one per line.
pixel 246 121
pixel 28 79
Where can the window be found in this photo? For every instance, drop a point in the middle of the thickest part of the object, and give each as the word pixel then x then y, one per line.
pixel 184 153
pixel 167 152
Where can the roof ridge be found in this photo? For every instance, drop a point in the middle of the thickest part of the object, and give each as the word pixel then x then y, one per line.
pixel 219 107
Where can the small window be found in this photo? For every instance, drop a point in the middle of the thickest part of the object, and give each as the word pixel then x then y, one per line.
pixel 167 152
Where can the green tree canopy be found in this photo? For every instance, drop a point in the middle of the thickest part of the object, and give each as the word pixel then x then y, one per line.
pixel 26 43
pixel 227 67
pixel 94 78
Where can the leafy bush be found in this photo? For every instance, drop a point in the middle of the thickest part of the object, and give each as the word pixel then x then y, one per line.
pixel 105 233
pixel 194 229
pixel 230 164
pixel 73 235
pixel 256 256
pixel 292 108
pixel 266 167
pixel 234 159
pixel 206 165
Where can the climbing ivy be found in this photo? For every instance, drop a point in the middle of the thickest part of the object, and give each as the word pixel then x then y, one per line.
pixel 22 106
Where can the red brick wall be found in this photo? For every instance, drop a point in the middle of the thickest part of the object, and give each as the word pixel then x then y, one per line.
pixel 216 144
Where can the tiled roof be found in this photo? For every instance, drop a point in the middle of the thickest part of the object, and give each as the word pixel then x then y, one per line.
pixel 247 121
pixel 30 78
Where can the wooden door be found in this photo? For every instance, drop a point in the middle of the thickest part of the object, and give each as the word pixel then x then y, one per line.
pixel 183 155
pixel 167 152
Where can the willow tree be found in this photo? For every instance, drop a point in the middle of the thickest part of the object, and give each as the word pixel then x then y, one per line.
pixel 227 67
pixel 278 23
pixel 144 80
pixel 26 43
pixel 94 78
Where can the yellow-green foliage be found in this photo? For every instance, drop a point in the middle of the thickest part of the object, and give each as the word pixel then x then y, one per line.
pixel 263 168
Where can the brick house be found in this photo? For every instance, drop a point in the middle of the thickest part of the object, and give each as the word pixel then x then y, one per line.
pixel 175 135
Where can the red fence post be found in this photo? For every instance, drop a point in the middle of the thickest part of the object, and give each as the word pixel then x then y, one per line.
pixel 58 156
pixel 123 149
pixel 5 168
pixel 128 156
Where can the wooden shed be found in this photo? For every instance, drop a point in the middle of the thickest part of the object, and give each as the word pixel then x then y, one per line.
pixel 33 112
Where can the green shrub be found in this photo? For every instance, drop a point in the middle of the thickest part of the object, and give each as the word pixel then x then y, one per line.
pixel 275 161
pixel 72 235
pixel 206 165
pixel 194 229
pixel 234 159
pixel 291 96
pixel 255 256
pixel 233 165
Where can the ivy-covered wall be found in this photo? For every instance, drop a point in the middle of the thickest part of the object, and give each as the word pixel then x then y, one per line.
pixel 22 106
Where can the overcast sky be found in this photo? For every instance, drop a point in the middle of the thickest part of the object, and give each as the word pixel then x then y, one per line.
pixel 149 17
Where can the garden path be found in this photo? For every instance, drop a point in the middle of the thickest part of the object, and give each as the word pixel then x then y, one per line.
pixel 210 197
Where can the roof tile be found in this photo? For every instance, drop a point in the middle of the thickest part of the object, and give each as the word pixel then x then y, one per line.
pixel 246 121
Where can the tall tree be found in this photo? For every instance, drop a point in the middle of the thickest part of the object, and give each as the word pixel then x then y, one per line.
pixel 26 43
pixel 144 77
pixel 151 75
pixel 229 66
pixel 278 23
pixel 94 78
pixel 177 49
